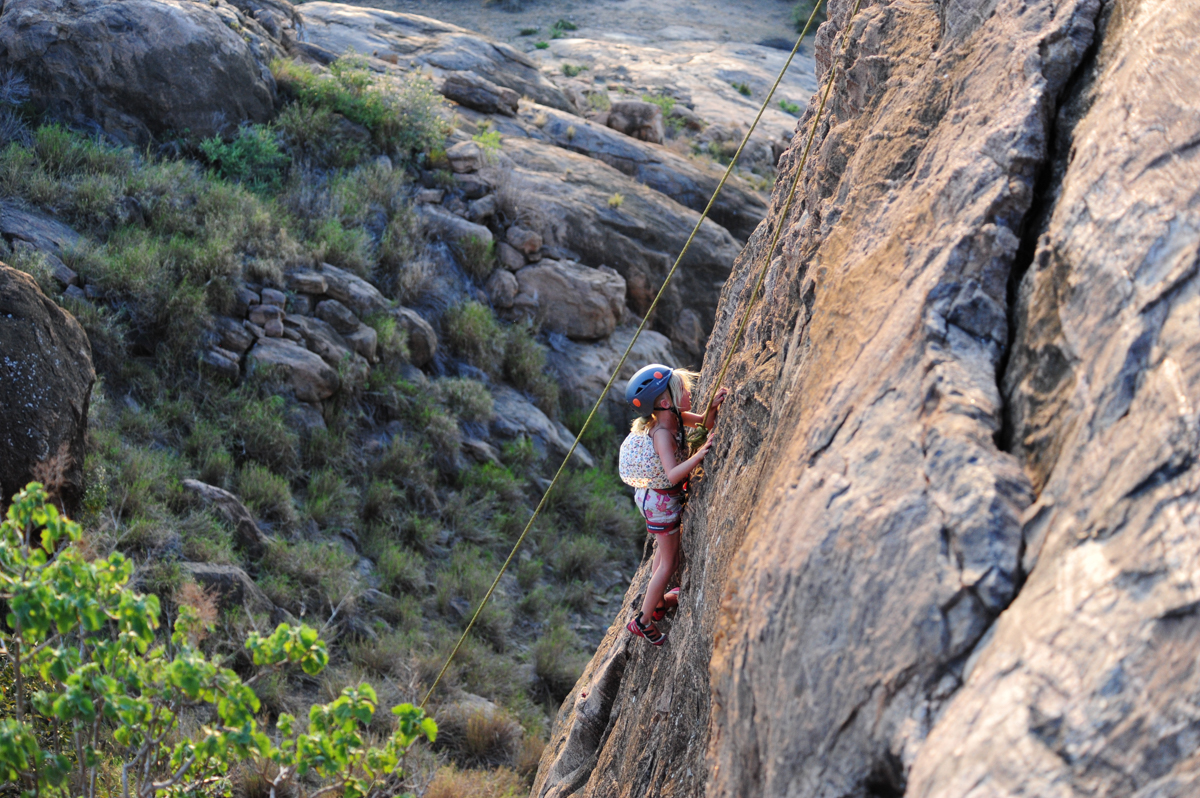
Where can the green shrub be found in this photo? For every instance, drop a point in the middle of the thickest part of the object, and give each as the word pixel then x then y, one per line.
pixel 252 156
pixel 528 31
pixel 555 661
pixel 349 248
pixel 318 574
pixel 566 25
pixel 743 88
pixel 402 570
pixel 329 500
pixel 407 465
pixel 265 494
pixel 478 257
pixel 542 45
pixel 616 200
pixel 260 431
pixel 402 115
pixel 790 107
pixel 473 334
pixel 489 142
pixel 579 556
pixel 311 133
pixel 88 644
pixel 469 400
pixel 461 584
pixel 529 572
pixel 572 70
pixel 206 538
pixel 497 480
pixel 525 367
pixel 419 531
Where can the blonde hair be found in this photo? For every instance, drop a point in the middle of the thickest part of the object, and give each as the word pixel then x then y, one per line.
pixel 680 379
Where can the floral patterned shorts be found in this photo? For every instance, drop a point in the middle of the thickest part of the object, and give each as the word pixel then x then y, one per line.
pixel 661 508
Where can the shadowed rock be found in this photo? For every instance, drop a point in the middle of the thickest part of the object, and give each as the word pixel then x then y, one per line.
pixel 139 68
pixel 46 379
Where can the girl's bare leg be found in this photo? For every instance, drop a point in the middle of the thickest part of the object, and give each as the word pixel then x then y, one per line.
pixel 663 567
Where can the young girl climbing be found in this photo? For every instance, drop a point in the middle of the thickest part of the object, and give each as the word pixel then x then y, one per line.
pixel 652 462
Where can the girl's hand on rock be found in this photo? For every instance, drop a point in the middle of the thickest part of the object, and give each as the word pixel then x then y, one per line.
pixel 719 399
pixel 703 450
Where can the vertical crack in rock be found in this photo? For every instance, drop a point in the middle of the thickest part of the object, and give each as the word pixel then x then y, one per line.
pixel 858 528
pixel 1088 683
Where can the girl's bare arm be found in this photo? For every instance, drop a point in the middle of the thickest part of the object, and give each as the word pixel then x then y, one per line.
pixel 695 419
pixel 664 444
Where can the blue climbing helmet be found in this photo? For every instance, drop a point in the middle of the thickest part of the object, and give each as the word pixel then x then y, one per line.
pixel 647 385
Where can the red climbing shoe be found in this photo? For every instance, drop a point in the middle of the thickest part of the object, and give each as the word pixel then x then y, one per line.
pixel 670 599
pixel 648 631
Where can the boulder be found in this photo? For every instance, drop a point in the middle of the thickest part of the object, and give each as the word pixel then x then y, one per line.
pixel 568 196
pixel 479 93
pixel 450 228
pixel 502 288
pixel 510 257
pixel 636 118
pixel 422 340
pixel 46 379
pixel 246 532
pixel 38 230
pixel 331 346
pixel 524 240
pixel 261 314
pixel 337 316
pixel 221 363
pixel 518 418
pixel 465 157
pixel 310 377
pixel 140 69
pixel 689 181
pixel 482 209
pixel 272 296
pixel 582 368
pixel 401 42
pixel 575 300
pixel 232 586
pixel 352 291
pixel 364 340
pixel 472 185
pixel 307 282
pixel 232 335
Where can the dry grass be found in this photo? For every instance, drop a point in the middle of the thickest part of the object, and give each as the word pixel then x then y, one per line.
pixel 451 782
pixel 477 736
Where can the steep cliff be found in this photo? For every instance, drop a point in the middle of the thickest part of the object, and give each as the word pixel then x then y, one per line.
pixel 969 381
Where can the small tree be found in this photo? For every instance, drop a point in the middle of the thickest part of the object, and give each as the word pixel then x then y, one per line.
pixel 89 681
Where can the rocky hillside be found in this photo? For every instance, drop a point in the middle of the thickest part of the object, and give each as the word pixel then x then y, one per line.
pixel 303 307
pixel 945 541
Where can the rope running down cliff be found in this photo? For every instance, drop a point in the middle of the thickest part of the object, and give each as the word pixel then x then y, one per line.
pixel 650 312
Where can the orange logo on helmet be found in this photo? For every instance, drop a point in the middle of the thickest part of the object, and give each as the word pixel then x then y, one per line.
pixel 658 375
pixel 637 402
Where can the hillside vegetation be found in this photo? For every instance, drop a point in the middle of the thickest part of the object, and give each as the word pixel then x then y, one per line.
pixel 382 533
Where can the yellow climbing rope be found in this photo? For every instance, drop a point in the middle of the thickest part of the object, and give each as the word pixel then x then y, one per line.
pixel 671 273
pixel 731 349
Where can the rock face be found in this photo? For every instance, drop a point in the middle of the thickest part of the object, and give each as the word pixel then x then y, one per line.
pixel 46 379
pixel 574 300
pixel 405 40
pixel 688 181
pixel 567 195
pixel 874 503
pixel 141 68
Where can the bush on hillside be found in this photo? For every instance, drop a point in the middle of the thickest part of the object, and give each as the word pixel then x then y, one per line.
pixel 92 689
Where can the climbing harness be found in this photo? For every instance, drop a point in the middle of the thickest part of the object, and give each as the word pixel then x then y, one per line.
pixel 654 304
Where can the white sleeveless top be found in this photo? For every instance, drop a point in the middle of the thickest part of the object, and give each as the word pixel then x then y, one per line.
pixel 639 465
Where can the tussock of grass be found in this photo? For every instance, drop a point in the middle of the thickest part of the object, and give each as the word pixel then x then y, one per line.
pixel 451 782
